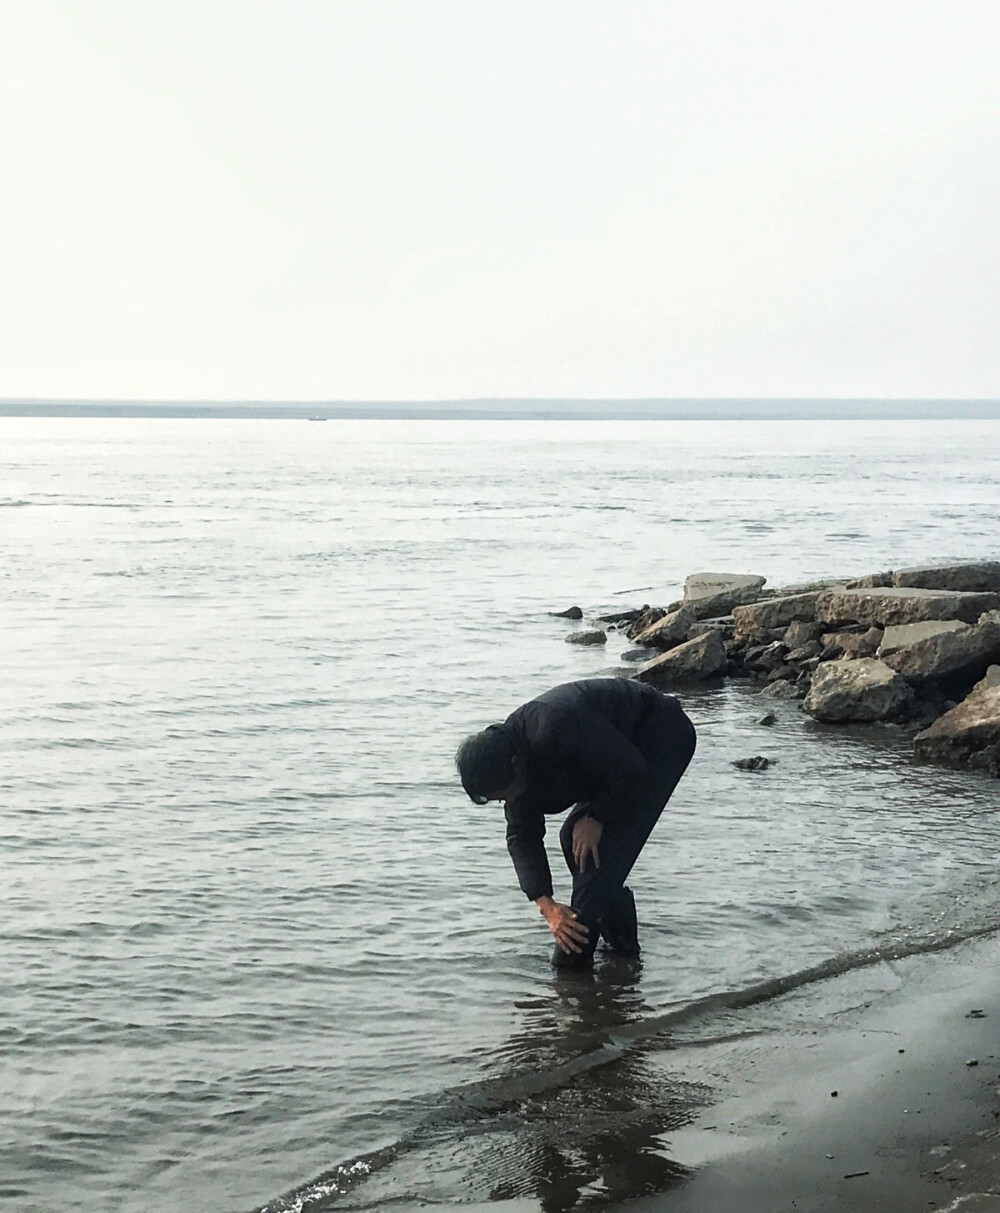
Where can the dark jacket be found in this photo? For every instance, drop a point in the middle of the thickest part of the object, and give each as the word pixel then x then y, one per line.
pixel 575 743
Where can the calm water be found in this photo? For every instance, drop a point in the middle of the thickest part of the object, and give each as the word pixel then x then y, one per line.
pixel 257 947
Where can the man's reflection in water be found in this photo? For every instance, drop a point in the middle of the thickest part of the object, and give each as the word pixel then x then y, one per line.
pixel 593 1139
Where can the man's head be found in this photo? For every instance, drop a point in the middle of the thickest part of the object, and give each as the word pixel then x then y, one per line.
pixel 489 767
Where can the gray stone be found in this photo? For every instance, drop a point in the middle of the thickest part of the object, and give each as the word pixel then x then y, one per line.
pixel 862 690
pixel 803 631
pixel 949 661
pixel 969 733
pixel 695 660
pixel 757 763
pixel 899 604
pixel 645 620
pixel 617 618
pixel 782 690
pixel 572 612
pixel 772 656
pixel 870 581
pixel 754 621
pixel 804 652
pixel 636 655
pixel 977 577
pixel 807 587
pixel 723 624
pixel 901 635
pixel 594 636
pixel 668 632
pixel 708 594
pixel 849 644
pixel 767 719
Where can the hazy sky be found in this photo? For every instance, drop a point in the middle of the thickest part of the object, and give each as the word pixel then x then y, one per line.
pixel 376 199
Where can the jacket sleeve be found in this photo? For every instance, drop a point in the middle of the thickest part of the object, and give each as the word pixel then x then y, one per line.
pixel 525 842
pixel 617 770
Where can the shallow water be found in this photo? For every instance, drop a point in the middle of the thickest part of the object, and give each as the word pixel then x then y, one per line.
pixel 258 948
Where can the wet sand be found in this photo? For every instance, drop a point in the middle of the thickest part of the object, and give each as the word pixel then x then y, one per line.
pixel 913 1124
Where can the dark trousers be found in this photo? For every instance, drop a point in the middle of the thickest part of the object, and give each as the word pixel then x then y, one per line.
pixel 666 739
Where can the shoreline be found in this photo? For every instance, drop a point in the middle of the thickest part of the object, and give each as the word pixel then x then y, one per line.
pixel 913 1054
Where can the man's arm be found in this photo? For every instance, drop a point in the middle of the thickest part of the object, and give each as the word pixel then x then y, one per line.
pixel 526 845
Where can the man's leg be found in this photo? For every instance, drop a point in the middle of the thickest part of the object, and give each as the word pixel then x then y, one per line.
pixel 667 740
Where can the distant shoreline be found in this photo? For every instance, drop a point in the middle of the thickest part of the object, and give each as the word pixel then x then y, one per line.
pixel 751 409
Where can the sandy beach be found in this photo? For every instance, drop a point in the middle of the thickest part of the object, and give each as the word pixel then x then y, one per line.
pixel 884 1095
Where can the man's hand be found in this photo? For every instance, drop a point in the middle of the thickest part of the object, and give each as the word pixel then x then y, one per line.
pixel 569 932
pixel 586 835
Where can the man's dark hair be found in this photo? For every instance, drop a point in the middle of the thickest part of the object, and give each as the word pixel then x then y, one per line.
pixel 485 762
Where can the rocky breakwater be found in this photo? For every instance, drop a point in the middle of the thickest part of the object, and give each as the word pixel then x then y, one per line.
pixel 917 646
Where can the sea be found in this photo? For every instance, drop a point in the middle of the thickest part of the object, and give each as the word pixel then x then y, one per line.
pixel 259 951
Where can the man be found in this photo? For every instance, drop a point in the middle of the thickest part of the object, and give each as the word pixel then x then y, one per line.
pixel 613 748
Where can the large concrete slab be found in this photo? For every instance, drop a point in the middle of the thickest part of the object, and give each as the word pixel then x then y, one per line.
pixel 979 577
pixel 950 661
pixel 759 618
pixel 860 690
pixel 970 732
pixel 696 660
pixel 708 594
pixel 902 635
pixel 902 604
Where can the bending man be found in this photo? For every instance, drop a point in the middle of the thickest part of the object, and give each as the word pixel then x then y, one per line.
pixel 613 748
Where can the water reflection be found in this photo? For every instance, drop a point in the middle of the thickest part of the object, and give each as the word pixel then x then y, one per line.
pixel 593 1135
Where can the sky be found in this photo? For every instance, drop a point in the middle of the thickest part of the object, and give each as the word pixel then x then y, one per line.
pixel 434 199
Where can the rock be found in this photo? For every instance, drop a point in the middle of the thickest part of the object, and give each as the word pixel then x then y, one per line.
pixel 621 617
pixel 757 763
pixel 754 621
pixel 594 636
pixel 768 719
pixel 572 612
pixel 636 655
pixel 695 660
pixel 870 581
pixel 951 661
pixel 782 690
pixel 980 577
pixel 723 624
pixel 970 732
pixel 804 652
pixel 990 679
pixel 668 632
pixel 771 656
pixel 862 690
pixel 850 644
pixel 899 604
pixel 899 636
pixel 708 594
pixel 873 638
pixel 803 631
pixel 646 619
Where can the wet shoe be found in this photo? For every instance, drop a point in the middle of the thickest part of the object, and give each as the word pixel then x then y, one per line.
pixel 576 960
pixel 620 925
